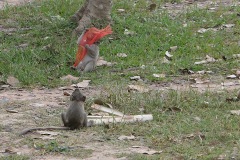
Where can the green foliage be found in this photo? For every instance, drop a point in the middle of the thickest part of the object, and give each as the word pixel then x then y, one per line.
pixel 46 31
pixel 15 157
pixel 52 146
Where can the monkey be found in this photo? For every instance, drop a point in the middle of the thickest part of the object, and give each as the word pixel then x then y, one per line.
pixel 74 118
pixel 89 62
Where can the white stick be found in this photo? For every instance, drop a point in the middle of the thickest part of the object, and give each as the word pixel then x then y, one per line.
pixel 98 120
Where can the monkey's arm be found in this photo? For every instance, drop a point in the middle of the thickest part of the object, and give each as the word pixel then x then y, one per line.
pixel 25 131
pixel 90 60
pixel 92 50
pixel 80 38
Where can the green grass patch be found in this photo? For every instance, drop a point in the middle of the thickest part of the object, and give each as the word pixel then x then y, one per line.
pixel 40 48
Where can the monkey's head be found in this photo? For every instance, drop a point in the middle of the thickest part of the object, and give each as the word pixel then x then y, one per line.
pixel 77 96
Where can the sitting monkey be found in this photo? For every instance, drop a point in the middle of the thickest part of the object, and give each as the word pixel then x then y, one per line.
pixel 90 60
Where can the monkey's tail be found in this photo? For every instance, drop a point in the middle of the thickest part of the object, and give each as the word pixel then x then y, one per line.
pixel 25 131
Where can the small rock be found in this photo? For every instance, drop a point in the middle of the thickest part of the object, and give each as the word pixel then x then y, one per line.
pixel 14 82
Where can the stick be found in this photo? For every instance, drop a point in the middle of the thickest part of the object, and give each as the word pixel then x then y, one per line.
pixel 99 120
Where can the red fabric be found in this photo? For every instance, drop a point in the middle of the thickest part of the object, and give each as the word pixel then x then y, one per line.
pixel 91 36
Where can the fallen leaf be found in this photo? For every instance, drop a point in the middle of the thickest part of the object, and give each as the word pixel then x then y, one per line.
pixel 102 62
pixel 165 60
pixel 108 110
pixel 82 84
pixel 199 81
pixel 151 152
pixel 144 150
pixel 5 86
pixel 159 75
pixel 231 76
pixel 186 71
pixel 66 93
pixel 228 25
pixel 57 17
pixel 123 55
pixel 11 111
pixel 194 135
pixel 45 138
pixel 66 88
pixel 11 150
pixel 204 72
pixel 123 137
pixel 142 66
pixel 222 157
pixel 100 114
pixel 135 78
pixel 12 81
pixel 202 30
pixel 120 10
pixel 201 72
pixel 201 62
pixel 236 112
pixel 138 88
pixel 127 32
pixel 197 119
pixel 212 8
pixel 173 48
pixel 230 83
pixel 168 55
pixel 48 133
pixel 234 99
pixel 100 102
pixel 238 73
pixel 37 105
pixel 24 45
pixel 69 78
pixel 175 109
pixel 208 59
pixel 236 55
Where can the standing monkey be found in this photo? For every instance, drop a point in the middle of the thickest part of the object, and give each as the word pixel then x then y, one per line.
pixel 74 118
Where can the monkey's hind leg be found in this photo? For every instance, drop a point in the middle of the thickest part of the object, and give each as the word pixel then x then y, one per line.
pixel 65 122
pixel 89 66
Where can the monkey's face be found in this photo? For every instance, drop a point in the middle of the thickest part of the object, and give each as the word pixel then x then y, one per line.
pixel 77 96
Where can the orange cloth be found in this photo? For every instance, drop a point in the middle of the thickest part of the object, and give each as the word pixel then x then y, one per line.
pixel 91 36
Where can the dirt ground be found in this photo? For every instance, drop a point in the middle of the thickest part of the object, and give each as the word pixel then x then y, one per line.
pixel 16 102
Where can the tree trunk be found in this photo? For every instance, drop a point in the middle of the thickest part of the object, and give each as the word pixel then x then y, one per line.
pixel 93 13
